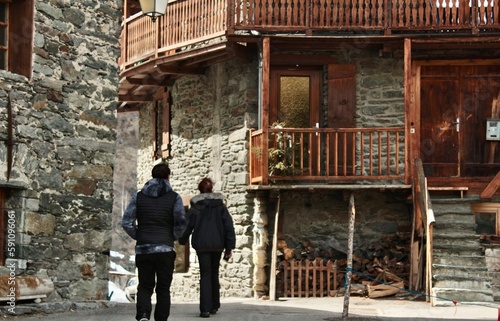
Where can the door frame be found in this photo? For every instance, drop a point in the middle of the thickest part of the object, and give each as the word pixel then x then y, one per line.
pixel 314 73
pixel 315 90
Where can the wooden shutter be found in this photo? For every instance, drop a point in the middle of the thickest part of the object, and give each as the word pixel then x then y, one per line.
pixel 341 96
pixel 341 114
pixel 165 145
pixel 21 13
pixel 154 128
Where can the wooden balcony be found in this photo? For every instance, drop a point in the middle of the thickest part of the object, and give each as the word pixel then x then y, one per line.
pixel 197 33
pixel 327 154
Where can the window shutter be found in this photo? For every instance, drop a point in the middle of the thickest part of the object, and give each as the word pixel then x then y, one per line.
pixel 342 114
pixel 165 146
pixel 341 96
pixel 154 127
pixel 21 37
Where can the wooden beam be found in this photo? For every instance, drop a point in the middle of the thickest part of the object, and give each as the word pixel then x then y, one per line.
pixel 136 98
pixel 199 55
pixel 350 245
pixel 146 81
pixel 302 59
pixel 265 100
pixel 492 187
pixel 409 100
pixel 242 52
pixel 274 255
pixel 180 70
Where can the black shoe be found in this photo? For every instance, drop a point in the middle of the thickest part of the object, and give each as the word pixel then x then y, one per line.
pixel 144 318
pixel 214 311
pixel 205 315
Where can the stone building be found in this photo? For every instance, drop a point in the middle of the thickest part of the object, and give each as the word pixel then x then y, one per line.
pixel 209 138
pixel 58 96
pixel 296 107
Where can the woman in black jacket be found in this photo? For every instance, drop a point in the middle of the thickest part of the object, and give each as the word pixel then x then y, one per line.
pixel 213 233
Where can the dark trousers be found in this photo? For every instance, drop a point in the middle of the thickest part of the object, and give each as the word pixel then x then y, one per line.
pixel 154 269
pixel 209 280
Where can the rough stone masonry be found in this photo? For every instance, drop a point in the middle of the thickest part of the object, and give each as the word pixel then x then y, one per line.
pixel 60 188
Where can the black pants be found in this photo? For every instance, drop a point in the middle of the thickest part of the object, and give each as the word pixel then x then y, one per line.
pixel 209 280
pixel 154 269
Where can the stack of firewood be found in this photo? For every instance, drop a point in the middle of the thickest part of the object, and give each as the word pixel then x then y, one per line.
pixel 382 274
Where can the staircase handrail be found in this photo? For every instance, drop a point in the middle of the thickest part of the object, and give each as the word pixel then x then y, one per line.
pixel 423 200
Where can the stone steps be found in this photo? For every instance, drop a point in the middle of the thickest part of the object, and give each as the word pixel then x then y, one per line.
pixel 446 296
pixel 459 267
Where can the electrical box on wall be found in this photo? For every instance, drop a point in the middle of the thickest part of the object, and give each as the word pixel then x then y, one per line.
pixel 493 129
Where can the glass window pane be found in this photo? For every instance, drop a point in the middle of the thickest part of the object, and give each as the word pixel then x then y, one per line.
pixel 294 98
pixel 3 12
pixel 3 59
pixel 485 223
pixel 3 36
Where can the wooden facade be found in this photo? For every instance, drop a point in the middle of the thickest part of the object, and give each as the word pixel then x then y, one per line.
pixel 195 34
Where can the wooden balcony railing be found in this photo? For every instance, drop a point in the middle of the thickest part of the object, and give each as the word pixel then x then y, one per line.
pixel 282 15
pixel 194 22
pixel 327 154
pixel 186 22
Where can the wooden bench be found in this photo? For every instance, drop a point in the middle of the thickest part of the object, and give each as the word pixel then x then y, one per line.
pixel 460 189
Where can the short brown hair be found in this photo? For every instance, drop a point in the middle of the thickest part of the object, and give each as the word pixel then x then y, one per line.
pixel 206 185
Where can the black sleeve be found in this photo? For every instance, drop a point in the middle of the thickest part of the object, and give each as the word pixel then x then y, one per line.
pixel 230 236
pixel 191 217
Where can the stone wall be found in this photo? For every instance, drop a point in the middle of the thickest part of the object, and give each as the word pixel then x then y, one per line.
pixel 322 218
pixel 211 115
pixel 210 118
pixel 492 255
pixel 60 186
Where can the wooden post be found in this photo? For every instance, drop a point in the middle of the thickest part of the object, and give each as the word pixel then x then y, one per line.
pixel 272 281
pixel 266 67
pixel 352 212
pixel 409 100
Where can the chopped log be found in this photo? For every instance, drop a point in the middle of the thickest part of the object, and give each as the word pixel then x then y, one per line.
pixel 281 245
pixel 24 287
pixel 388 276
pixel 383 290
pixel 288 254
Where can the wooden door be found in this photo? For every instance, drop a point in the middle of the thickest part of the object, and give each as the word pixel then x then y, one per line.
pixel 455 103
pixel 295 102
pixel 439 127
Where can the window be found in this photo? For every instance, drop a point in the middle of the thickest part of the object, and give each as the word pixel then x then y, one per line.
pixel 3 34
pixel 16 36
pixel 487 219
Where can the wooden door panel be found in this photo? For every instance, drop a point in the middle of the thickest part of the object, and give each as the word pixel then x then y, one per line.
pixel 439 109
pixel 481 96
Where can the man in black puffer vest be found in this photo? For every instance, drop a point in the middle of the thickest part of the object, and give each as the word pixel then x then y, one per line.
pixel 155 218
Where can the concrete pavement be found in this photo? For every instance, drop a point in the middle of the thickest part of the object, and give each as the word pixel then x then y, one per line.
pixel 296 309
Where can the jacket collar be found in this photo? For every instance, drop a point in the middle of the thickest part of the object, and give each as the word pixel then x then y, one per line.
pixel 207 196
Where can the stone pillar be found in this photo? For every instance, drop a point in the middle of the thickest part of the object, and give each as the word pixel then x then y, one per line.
pixel 260 243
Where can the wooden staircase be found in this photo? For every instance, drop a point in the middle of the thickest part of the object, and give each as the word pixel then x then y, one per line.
pixel 458 263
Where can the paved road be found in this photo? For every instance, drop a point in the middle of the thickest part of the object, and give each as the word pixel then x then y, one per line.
pixel 312 309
